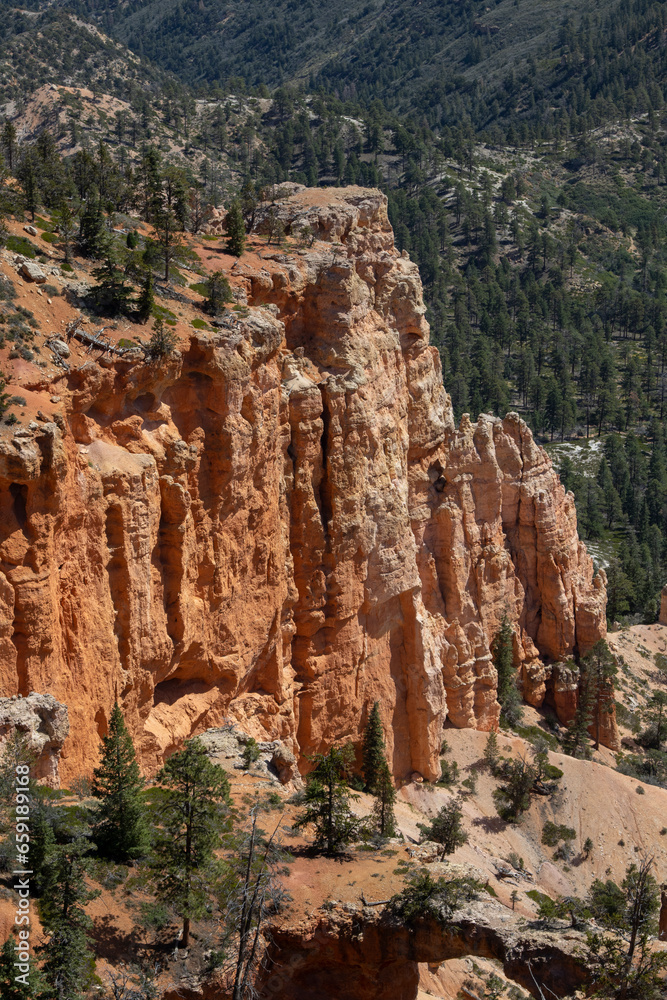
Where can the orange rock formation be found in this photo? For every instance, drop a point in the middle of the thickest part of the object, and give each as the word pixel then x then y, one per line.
pixel 282 524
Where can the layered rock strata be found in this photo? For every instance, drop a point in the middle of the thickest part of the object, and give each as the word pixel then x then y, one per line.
pixel 282 524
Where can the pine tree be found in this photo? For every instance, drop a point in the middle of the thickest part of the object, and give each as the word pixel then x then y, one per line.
pixel 492 752
pixel 9 142
pixel 120 831
pixel 235 229
pixel 169 240
pixel 65 219
pixel 577 742
pixel 219 292
pixel 15 984
pixel 91 238
pixel 151 183
pixel 627 967
pixel 146 300
pixel 327 800
pixel 372 748
pixel 4 206
pixel 69 965
pixel 27 174
pixel 193 813
pixel 112 290
pixel 503 661
pixel 446 828
pixel 601 669
pixel 43 842
pixel 162 342
pixel 512 797
pixel 385 797
pixel 656 716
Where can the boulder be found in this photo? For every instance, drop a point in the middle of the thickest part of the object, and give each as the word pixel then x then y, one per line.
pixel 59 347
pixel 45 723
pixel 31 272
pixel 284 763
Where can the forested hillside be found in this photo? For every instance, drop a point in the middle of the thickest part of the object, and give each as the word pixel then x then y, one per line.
pixel 362 48
pixel 543 64
pixel 523 149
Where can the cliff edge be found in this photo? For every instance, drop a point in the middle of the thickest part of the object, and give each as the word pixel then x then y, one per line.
pixel 281 523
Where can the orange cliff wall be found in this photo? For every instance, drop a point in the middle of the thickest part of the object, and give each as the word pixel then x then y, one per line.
pixel 282 524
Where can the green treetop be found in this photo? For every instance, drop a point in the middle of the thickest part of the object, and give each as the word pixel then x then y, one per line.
pixel 385 797
pixel 503 661
pixel 601 668
pixel 576 741
pixel 32 988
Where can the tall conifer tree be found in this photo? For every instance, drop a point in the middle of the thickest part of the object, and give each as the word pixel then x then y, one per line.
pixel 193 813
pixel 30 986
pixel 121 831
pixel 385 797
pixel 327 800
pixel 69 964
pixel 577 742
pixel 372 748
pixel 601 668
pixel 235 228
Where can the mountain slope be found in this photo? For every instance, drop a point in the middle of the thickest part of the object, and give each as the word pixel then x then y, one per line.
pixel 458 64
pixel 364 47
pixel 49 45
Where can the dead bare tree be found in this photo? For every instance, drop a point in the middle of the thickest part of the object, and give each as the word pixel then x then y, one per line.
pixel 252 890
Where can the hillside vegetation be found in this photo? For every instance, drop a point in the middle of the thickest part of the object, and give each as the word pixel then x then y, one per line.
pixel 523 150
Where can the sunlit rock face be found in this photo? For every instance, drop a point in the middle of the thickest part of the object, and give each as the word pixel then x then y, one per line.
pixel 282 524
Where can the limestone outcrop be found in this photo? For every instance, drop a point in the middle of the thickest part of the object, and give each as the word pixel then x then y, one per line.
pixel 43 723
pixel 281 523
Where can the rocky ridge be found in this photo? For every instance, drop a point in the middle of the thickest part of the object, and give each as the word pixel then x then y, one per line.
pixel 282 523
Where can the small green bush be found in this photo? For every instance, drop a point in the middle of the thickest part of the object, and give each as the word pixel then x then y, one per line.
pixel 251 753
pixel 537 896
pixel 153 916
pixel 449 773
pixel 553 833
pixel 19 244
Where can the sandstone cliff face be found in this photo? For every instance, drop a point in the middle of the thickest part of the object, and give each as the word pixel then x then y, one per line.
pixel 282 524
